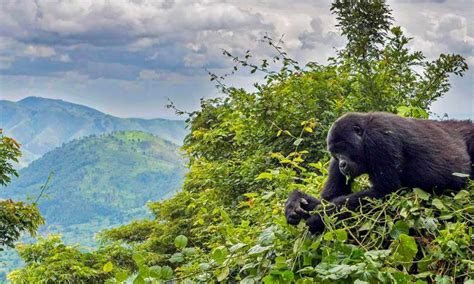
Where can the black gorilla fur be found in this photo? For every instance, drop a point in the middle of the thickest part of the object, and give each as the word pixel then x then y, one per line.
pixel 395 152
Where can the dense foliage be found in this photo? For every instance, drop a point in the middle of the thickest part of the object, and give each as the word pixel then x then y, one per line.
pixel 15 217
pixel 248 150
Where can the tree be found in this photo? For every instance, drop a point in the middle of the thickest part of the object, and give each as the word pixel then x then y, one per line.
pixel 15 217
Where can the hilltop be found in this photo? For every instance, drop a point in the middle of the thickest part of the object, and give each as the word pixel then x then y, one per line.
pixel 41 124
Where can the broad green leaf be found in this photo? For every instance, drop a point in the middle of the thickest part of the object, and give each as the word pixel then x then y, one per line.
pixel 462 195
pixel 400 227
pixel 176 258
pixel 438 204
pixel 166 272
pixel 266 237
pixel 219 255
pixel 108 267
pixel 180 241
pixel 405 249
pixel 445 279
pixel 341 235
pixel 422 194
pixel 236 247
pixel 221 275
pixel 257 249
pixel 265 175
pixel 204 266
pixel 156 272
pixel 139 280
pixel 121 276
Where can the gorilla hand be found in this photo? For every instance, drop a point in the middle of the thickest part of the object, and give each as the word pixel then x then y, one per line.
pixel 315 224
pixel 298 206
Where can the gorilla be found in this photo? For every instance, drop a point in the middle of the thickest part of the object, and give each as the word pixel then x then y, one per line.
pixel 395 152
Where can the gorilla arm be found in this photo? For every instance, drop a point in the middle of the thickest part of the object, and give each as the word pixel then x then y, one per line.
pixel 336 184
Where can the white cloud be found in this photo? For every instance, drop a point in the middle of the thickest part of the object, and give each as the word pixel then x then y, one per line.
pixel 39 51
pixel 133 41
pixel 64 58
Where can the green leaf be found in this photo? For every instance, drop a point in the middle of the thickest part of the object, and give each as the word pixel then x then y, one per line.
pixel 405 249
pixel 422 194
pixel 180 241
pixel 443 279
pixel 287 276
pixel 438 204
pixel 257 249
pixel 265 175
pixel 462 195
pixel 121 276
pixel 221 275
pixel 236 247
pixel 219 254
pixel 377 254
pixel 341 235
pixel 400 227
pixel 139 280
pixel 204 266
pixel 298 141
pixel 328 236
pixel 108 267
pixel 266 237
pixel 280 262
pixel 138 258
pixel 166 272
pixel 156 272
pixel 176 258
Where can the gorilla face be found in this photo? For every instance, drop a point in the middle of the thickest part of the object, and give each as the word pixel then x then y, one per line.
pixel 345 143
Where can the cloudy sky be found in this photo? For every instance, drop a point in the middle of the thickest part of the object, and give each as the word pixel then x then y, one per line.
pixel 126 57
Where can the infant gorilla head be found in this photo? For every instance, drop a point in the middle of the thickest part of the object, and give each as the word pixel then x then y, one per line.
pixel 395 152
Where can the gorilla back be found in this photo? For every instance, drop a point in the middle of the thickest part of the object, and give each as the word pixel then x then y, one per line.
pixel 395 152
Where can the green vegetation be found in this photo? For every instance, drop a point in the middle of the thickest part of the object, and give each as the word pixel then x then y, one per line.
pixel 248 150
pixel 101 176
pixel 40 125
pixel 16 217
pixel 96 183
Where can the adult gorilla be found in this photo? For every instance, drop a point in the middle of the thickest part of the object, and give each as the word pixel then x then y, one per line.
pixel 395 152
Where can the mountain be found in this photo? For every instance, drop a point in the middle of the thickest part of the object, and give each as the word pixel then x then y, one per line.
pixel 41 124
pixel 106 176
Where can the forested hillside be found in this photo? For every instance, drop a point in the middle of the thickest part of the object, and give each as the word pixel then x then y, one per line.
pixel 41 124
pixel 101 176
pixel 95 183
pixel 249 149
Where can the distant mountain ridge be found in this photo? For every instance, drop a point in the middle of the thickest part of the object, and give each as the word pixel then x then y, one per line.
pixel 41 124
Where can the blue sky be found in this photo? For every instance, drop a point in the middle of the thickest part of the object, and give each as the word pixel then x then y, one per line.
pixel 126 57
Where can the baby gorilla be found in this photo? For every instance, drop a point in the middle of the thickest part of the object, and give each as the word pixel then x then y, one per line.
pixel 395 152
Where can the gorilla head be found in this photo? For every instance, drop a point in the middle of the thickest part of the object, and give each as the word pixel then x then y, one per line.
pixel 346 144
